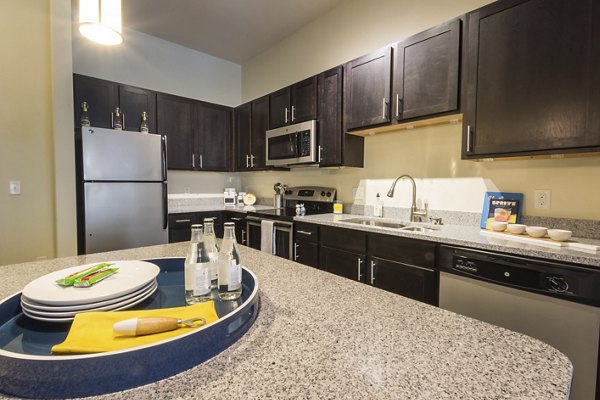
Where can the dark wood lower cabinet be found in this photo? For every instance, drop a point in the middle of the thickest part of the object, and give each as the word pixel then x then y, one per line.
pixel 407 280
pixel 180 227
pixel 343 263
pixel 306 253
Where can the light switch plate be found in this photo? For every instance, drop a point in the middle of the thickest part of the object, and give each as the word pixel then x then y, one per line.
pixel 14 187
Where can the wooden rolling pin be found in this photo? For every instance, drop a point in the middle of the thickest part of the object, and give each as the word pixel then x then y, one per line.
pixel 149 325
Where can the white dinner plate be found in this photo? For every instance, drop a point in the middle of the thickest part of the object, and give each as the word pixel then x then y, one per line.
pixel 132 275
pixel 61 314
pixel 69 319
pixel 35 306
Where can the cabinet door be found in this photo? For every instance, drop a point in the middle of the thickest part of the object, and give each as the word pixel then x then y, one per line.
pixel 304 100
pixel 426 72
pixel 260 125
pixel 403 279
pixel 175 118
pixel 239 219
pixel 330 117
pixel 306 253
pixel 343 263
pixel 528 78
pixel 217 217
pixel 253 234
pixel 367 88
pixel 133 101
pixel 279 111
pixel 101 96
pixel 243 127
pixel 213 136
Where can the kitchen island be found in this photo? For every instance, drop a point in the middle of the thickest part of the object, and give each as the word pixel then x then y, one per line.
pixel 324 337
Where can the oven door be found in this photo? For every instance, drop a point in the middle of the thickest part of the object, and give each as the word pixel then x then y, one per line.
pixel 294 144
pixel 283 236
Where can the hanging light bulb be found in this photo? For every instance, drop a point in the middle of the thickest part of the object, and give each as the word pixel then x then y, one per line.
pixel 100 21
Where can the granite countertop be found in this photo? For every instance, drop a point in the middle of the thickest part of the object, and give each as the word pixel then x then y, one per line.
pixel 320 336
pixel 467 236
pixel 185 208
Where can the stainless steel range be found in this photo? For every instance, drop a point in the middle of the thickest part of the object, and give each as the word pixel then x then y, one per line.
pixel 272 230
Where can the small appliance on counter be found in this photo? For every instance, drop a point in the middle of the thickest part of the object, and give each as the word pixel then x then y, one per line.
pixel 240 198
pixel 229 197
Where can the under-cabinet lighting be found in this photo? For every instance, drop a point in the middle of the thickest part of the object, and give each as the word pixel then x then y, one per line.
pixel 100 21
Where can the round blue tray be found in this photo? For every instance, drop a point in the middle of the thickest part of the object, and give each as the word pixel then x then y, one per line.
pixel 28 369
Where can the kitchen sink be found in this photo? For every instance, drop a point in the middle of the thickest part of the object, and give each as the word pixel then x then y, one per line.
pixel 372 222
pixel 420 229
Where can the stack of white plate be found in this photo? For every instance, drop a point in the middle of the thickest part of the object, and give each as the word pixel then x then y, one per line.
pixel 43 299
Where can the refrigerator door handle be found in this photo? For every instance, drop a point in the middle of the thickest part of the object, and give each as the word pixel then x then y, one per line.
pixel 163 145
pixel 165 203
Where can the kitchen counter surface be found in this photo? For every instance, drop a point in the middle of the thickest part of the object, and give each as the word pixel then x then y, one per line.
pixel 468 236
pixel 320 336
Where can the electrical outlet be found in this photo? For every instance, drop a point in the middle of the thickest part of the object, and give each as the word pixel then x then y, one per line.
pixel 186 189
pixel 542 199
pixel 14 187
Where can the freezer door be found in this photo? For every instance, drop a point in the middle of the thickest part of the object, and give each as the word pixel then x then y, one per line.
pixel 122 215
pixel 110 155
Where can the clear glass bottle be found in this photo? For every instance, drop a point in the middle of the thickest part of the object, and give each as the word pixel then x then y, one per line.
pixel 210 240
pixel 378 209
pixel 197 269
pixel 85 115
pixel 117 119
pixel 144 124
pixel 230 270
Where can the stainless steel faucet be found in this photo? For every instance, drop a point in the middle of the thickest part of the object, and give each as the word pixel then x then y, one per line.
pixel 416 215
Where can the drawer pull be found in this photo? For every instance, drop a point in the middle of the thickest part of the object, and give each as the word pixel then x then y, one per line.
pixel 304 232
pixel 360 275
pixel 180 221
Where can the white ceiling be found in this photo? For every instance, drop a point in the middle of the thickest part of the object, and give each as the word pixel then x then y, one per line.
pixel 234 30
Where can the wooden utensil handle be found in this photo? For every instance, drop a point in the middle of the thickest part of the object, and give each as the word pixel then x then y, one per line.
pixel 149 325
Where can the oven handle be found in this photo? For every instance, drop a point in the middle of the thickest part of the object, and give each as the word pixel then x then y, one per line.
pixel 277 224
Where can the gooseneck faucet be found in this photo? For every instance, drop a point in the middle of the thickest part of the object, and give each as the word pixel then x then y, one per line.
pixel 416 215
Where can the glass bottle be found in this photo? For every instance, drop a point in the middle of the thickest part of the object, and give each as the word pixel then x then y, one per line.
pixel 85 116
pixel 144 124
pixel 117 119
pixel 230 270
pixel 197 269
pixel 210 240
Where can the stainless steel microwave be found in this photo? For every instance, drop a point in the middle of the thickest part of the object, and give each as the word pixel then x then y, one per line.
pixel 293 144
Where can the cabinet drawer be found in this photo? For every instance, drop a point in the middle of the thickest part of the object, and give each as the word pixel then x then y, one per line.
pixel 404 250
pixel 180 226
pixel 307 232
pixel 346 239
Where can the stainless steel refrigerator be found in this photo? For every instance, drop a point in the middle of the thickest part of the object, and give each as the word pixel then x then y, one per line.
pixel 121 190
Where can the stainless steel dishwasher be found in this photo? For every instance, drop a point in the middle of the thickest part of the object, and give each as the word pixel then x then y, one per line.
pixel 554 302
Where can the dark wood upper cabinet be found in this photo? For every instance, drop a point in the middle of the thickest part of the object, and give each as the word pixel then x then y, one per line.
pixel 426 72
pixel 133 101
pixel 367 85
pixel 294 104
pixel 251 123
pixel 176 118
pixel 336 148
pixel 101 96
pixel 531 66
pixel 212 140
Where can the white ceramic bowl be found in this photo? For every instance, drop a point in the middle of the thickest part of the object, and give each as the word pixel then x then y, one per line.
pixel 560 235
pixel 536 231
pixel 516 228
pixel 498 226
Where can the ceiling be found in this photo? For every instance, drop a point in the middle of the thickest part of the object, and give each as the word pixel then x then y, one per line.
pixel 235 30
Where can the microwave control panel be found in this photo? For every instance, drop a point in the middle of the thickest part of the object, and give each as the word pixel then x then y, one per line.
pixel 304 145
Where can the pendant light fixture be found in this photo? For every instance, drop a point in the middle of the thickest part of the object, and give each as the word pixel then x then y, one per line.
pixel 100 21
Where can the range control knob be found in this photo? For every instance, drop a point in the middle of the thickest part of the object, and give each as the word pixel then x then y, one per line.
pixel 328 194
pixel 558 284
pixel 288 192
pixel 323 193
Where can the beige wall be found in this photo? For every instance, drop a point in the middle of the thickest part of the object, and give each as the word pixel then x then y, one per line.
pixel 26 221
pixel 357 27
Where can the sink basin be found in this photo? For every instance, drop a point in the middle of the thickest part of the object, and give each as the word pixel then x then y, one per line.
pixel 373 222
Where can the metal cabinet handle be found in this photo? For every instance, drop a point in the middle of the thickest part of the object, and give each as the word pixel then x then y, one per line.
pixel 468 138
pixel 398 104
pixel 193 160
pixel 304 232
pixel 247 161
pixel 235 219
pixel 320 150
pixel 296 251
pixel 383 113
pixel 243 236
pixel 252 160
pixel 200 160
pixel 372 272
pixel 182 220
pixel 360 275
pixel 286 115
pixel 293 113
pixel 123 114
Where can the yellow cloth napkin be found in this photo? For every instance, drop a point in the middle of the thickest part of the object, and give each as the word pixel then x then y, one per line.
pixel 92 332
